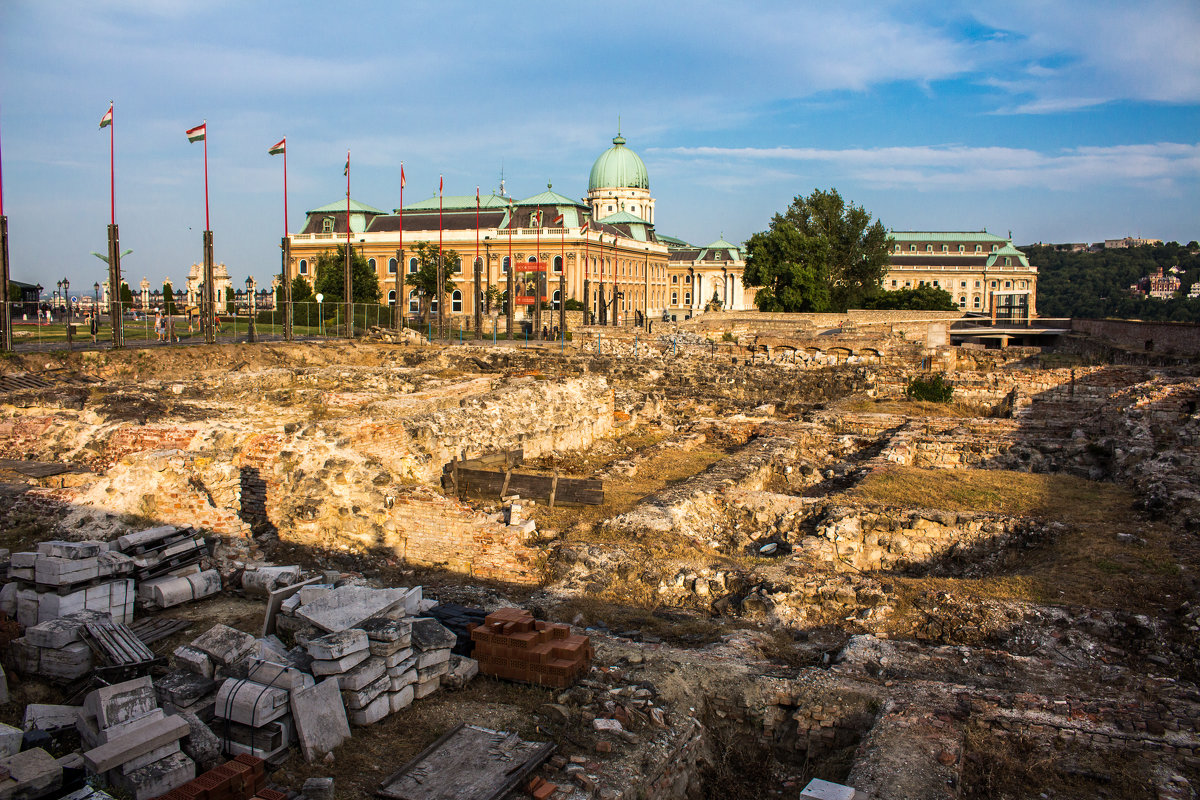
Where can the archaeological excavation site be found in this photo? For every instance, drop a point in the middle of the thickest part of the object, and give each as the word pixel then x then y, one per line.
pixel 758 555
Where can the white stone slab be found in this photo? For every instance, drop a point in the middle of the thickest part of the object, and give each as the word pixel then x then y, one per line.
pixel 121 702
pixel 379 708
pixel 370 670
pixel 818 789
pixel 339 665
pixel 320 718
pixel 350 606
pixel 333 646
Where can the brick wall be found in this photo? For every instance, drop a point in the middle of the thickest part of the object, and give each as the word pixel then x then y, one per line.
pixel 21 435
pixel 1177 338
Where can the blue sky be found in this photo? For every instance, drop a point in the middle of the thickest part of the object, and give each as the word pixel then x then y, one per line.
pixel 1075 120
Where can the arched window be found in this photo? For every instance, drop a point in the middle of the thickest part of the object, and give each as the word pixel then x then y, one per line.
pixel 928 248
pixel 504 265
pixel 995 248
pixel 391 266
pixel 687 279
pixel 945 248
pixel 414 303
pixel 962 301
pixel 392 297
pixel 371 264
pixel 912 248
pixel 687 298
pixel 532 259
pixel 674 279
pixel 1007 261
pixel 674 298
pixel 303 267
pixel 975 301
pixel 433 305
pixel 456 301
pixel 554 299
pixel 961 248
pixel 978 248
pixel 412 266
pixel 327 225
pixel 558 265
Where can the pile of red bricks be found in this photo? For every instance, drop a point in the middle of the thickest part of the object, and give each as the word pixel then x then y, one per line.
pixel 243 778
pixel 512 644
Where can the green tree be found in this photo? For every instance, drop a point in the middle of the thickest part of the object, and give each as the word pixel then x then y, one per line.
pixel 424 280
pixel 820 254
pixel 126 296
pixel 301 291
pixel 168 293
pixel 493 297
pixel 331 278
pixel 922 298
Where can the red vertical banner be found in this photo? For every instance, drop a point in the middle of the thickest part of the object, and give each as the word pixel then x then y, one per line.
pixel 400 266
pixel 476 224
pixel 441 183
pixel 347 206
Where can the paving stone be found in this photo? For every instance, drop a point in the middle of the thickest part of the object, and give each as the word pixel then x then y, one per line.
pixel 10 740
pixel 283 676
pixel 818 789
pixel 433 671
pixel 76 551
pixel 389 648
pixel 350 606
pixel 339 665
pixel 398 701
pixel 194 660
pixel 356 678
pixel 407 665
pixel 429 634
pixel 155 780
pixel 49 717
pixel 117 751
pixel 428 658
pixel 398 682
pixel 224 644
pixel 398 657
pixel 66 663
pixel 379 708
pixel 358 699
pixel 31 773
pixel 318 789
pixel 387 630
pixel 336 645
pixel 320 718
pixel 201 745
pixel 149 758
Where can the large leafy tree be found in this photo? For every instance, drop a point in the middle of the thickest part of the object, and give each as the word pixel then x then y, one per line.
pixel 331 278
pixel 922 298
pixel 424 280
pixel 821 254
pixel 168 293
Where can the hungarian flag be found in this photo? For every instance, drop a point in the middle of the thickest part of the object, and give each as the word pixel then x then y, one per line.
pixel 197 133
pixel 104 123
pixel 346 171
pixel 402 182
pixel 558 220
pixel 583 228
pixel 441 183
pixel 278 147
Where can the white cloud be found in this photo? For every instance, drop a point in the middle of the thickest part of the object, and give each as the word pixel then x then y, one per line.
pixel 961 168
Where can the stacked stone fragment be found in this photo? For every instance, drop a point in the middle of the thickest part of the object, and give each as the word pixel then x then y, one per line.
pixel 391 640
pixel 54 649
pixel 432 643
pixel 511 644
pixel 166 565
pixel 63 578
pixel 361 677
pixel 131 742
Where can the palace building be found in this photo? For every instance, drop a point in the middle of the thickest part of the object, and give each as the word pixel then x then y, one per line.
pixel 606 241
pixel 983 272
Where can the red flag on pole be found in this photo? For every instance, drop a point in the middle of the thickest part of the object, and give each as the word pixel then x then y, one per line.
pixel 106 122
pixel 278 148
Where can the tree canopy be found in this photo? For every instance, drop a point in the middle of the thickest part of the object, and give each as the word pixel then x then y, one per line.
pixel 821 254
pixel 168 293
pixel 1096 285
pixel 331 278
pixel 424 280
pixel 922 298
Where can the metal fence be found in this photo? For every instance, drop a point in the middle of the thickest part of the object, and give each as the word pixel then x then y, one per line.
pixel 44 328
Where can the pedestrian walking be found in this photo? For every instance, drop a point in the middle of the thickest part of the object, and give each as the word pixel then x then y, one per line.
pixel 93 324
pixel 158 325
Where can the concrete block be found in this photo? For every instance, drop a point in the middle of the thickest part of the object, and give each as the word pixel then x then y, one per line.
pixel 149 758
pixel 224 644
pixel 399 682
pixel 398 701
pixel 167 591
pixel 145 538
pixel 339 665
pixel 182 688
pixel 71 550
pixel 399 657
pixel 311 592
pixel 25 658
pixel 376 710
pixel 250 703
pixel 121 702
pixel 350 606
pixel 318 789
pixel 28 604
pixel 357 677
pixel 49 717
pixel 336 645
pixel 65 571
pixel 67 662
pixel 388 630
pixel 818 789
pixel 204 584
pixel 433 671
pixel 114 564
pixel 155 780
pixel 429 658
pixel 193 660
pixel 429 634
pixel 404 666
pixel 427 687
pixel 8 599
pixel 361 698
pixel 201 745
pixel 32 773
pixel 10 740
pixel 385 649
pixel 283 676
pixel 137 742
pixel 23 560
pixel 265 580
pixel 55 633
pixel 320 718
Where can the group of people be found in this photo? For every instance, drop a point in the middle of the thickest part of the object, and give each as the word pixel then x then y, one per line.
pixel 550 333
pixel 164 327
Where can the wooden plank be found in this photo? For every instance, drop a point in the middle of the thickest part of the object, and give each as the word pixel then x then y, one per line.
pixel 553 489
pixel 484 483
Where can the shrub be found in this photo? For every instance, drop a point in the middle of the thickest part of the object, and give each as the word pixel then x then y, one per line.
pixel 931 388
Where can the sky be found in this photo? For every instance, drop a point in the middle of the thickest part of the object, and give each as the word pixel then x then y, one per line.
pixel 1065 121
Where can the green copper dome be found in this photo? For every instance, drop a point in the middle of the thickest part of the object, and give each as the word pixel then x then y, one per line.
pixel 618 167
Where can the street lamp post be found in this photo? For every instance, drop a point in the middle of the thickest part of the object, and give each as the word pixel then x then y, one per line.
pixel 250 332
pixel 320 317
pixel 66 284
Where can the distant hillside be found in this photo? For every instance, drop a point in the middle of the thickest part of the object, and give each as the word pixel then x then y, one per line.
pixel 1097 284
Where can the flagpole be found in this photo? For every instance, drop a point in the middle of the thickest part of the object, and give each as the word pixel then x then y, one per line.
pixel 400 267
pixel 5 308
pixel 285 192
pixel 348 284
pixel 112 175
pixel 508 322
pixel 207 226
pixel 478 310
pixel 441 263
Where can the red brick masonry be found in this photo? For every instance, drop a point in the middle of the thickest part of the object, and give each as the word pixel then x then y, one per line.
pixel 511 644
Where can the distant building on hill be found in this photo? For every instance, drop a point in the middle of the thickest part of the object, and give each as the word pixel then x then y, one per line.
pixel 1129 241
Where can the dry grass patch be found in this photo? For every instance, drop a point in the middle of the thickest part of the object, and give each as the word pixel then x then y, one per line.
pixel 913 408
pixel 1105 555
